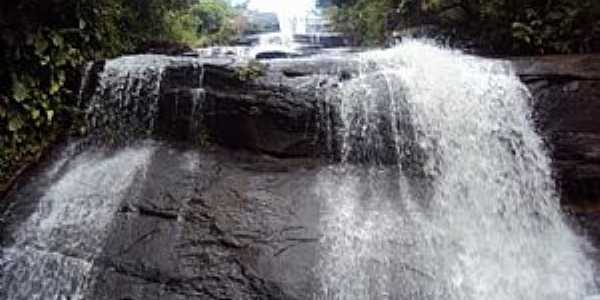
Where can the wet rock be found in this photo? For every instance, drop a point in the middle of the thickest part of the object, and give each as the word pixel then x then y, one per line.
pixel 286 110
pixel 164 47
pixel 180 114
pixel 566 92
pixel 270 114
pixel 213 225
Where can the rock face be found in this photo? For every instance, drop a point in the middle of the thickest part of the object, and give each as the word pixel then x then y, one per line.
pixel 213 225
pixel 270 115
pixel 209 224
pixel 566 92
pixel 286 112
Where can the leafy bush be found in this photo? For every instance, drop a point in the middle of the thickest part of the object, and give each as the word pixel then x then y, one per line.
pixel 181 27
pixel 214 21
pixel 252 70
pixel 43 45
pixel 514 27
pixel 363 20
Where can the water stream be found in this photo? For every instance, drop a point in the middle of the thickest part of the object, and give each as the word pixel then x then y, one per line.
pixel 54 249
pixel 479 219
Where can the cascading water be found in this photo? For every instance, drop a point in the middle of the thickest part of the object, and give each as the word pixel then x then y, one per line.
pixel 53 251
pixel 50 255
pixel 292 18
pixel 444 190
pixel 126 102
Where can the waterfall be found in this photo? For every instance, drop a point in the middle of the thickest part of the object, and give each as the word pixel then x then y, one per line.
pixel 50 254
pixel 125 103
pixel 445 190
pixel 292 17
pixel 439 188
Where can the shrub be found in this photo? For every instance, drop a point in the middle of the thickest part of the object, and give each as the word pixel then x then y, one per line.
pixel 507 27
pixel 42 47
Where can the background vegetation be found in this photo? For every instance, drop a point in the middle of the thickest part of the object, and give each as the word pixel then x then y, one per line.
pixel 44 44
pixel 504 27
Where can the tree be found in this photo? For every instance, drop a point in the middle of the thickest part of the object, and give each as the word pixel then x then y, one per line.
pixel 42 47
pixel 493 26
pixel 215 21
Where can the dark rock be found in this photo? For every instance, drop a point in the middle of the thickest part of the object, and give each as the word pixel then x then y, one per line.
pixel 213 225
pixel 90 80
pixel 179 114
pixel 270 114
pixel 286 110
pixel 181 74
pixel 275 54
pixel 566 92
pixel 164 47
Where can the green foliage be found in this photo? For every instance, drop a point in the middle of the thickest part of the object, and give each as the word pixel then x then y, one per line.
pixel 214 22
pixel 250 71
pixel 523 26
pixel 43 45
pixel 363 20
pixel 513 27
pixel 181 27
pixel 205 23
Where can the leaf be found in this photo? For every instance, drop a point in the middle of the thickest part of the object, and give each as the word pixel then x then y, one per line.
pixel 20 91
pixel 35 114
pixel 60 58
pixel 55 86
pixel 82 24
pixel 50 115
pixel 40 44
pixel 14 124
pixel 57 40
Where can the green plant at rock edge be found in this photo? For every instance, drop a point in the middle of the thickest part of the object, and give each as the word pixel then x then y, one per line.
pixel 252 70
pixel 43 45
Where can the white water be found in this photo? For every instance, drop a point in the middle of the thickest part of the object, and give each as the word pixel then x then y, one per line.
pixel 292 17
pixel 54 249
pixel 126 99
pixel 479 218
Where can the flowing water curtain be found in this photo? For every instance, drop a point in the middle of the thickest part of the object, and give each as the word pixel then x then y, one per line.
pixel 53 252
pixel 486 221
